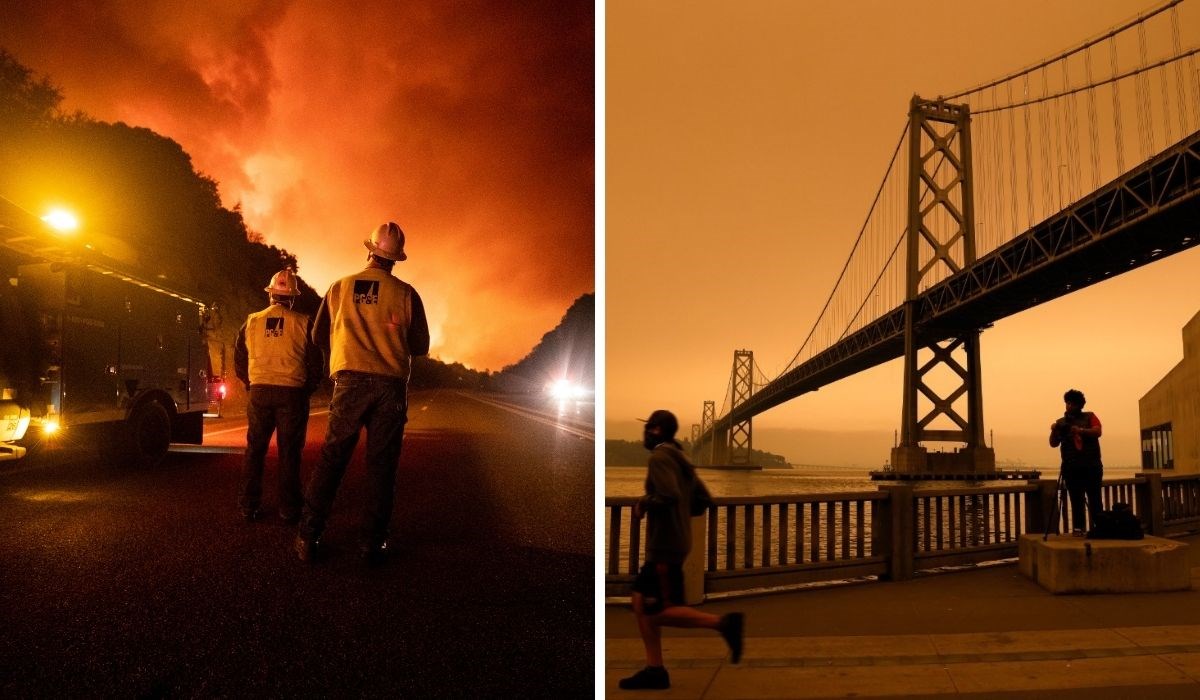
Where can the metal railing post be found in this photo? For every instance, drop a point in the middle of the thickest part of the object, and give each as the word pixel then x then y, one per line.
pixel 1149 492
pixel 898 536
pixel 1040 505
pixel 693 566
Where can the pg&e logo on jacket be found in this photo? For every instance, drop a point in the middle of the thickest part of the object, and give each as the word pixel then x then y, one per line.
pixel 366 291
pixel 274 327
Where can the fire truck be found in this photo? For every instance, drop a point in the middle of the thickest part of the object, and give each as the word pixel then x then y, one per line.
pixel 93 353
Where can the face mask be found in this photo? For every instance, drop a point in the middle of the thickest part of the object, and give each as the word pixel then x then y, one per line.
pixel 649 440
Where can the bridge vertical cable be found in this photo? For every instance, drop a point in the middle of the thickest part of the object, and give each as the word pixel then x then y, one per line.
pixel 1033 118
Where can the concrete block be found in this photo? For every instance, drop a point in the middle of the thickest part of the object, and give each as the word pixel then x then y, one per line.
pixel 1064 564
pixel 1027 555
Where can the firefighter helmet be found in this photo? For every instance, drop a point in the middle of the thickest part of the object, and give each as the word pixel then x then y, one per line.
pixel 283 284
pixel 387 241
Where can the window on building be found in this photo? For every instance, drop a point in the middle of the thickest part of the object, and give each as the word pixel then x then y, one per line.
pixel 1158 452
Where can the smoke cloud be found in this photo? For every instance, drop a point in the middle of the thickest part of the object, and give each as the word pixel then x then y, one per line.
pixel 471 124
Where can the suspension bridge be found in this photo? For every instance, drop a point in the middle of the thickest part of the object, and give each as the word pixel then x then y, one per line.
pixel 997 198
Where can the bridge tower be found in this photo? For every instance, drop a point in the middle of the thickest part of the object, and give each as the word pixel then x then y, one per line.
pixel 707 418
pixel 740 437
pixel 695 435
pixel 940 232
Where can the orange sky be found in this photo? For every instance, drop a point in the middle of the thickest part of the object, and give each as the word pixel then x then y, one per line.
pixel 470 125
pixel 744 143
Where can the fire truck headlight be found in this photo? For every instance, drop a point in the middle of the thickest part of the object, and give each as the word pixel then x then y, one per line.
pixel 50 427
pixel 61 220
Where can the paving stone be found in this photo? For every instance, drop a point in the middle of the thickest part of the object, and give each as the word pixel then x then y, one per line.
pixel 1075 673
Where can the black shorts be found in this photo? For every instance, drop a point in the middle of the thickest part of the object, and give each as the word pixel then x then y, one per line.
pixel 659 592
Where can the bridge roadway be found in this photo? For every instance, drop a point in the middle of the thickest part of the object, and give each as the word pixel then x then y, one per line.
pixel 116 582
pixel 1147 214
pixel 983 633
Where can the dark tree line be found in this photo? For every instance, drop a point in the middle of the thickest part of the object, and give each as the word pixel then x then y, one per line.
pixel 624 453
pixel 567 352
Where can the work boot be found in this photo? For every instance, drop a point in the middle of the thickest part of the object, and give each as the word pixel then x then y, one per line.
pixel 731 631
pixel 307 550
pixel 374 554
pixel 649 678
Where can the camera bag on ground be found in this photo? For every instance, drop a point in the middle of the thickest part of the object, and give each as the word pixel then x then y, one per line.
pixel 1117 524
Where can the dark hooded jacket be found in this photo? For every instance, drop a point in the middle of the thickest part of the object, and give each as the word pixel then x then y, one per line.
pixel 667 505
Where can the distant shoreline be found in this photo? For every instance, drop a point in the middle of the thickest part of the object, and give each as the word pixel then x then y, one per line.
pixel 830 470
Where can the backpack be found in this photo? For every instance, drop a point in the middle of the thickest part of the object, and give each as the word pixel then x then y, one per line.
pixel 701 498
pixel 1117 524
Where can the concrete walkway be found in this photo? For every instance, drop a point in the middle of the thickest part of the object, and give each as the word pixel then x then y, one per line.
pixel 985 632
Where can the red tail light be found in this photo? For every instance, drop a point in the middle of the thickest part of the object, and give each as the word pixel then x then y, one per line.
pixel 221 389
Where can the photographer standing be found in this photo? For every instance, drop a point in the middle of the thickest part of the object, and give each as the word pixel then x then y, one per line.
pixel 1077 435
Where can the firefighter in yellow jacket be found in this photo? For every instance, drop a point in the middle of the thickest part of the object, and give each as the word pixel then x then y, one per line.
pixel 280 367
pixel 370 326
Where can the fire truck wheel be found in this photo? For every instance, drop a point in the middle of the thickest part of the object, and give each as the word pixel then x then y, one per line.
pixel 149 434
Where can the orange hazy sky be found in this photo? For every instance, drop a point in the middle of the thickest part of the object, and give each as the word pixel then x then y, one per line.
pixel 744 142
pixel 470 124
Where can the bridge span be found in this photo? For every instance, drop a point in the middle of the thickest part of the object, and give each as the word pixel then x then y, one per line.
pixel 1143 216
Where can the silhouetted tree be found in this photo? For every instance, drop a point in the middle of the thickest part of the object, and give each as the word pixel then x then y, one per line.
pixel 566 352
pixel 25 100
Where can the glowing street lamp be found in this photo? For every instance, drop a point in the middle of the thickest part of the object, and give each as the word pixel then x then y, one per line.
pixel 61 220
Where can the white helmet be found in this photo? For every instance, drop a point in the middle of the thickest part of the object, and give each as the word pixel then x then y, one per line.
pixel 283 284
pixel 387 241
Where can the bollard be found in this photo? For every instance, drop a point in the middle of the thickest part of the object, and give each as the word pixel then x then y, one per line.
pixel 693 566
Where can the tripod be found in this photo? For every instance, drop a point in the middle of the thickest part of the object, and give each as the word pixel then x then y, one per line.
pixel 1059 494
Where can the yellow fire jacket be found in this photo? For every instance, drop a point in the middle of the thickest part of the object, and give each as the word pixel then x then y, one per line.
pixel 372 322
pixel 273 349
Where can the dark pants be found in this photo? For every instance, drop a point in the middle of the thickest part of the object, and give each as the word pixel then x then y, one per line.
pixel 379 403
pixel 1084 483
pixel 284 411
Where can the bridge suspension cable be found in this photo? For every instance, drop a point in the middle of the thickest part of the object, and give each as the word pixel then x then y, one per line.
pixel 1138 19
pixel 1099 83
pixel 858 241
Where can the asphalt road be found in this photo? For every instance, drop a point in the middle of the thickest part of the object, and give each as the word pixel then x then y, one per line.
pixel 120 582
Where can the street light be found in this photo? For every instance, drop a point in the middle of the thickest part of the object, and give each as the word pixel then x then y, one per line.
pixel 61 220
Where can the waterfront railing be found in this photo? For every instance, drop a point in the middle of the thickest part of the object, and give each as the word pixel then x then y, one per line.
pixel 751 543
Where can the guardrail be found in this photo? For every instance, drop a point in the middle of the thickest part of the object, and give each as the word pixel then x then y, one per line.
pixel 893 532
pixel 1180 503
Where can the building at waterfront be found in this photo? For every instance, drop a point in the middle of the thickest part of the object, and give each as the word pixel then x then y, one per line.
pixel 1169 414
